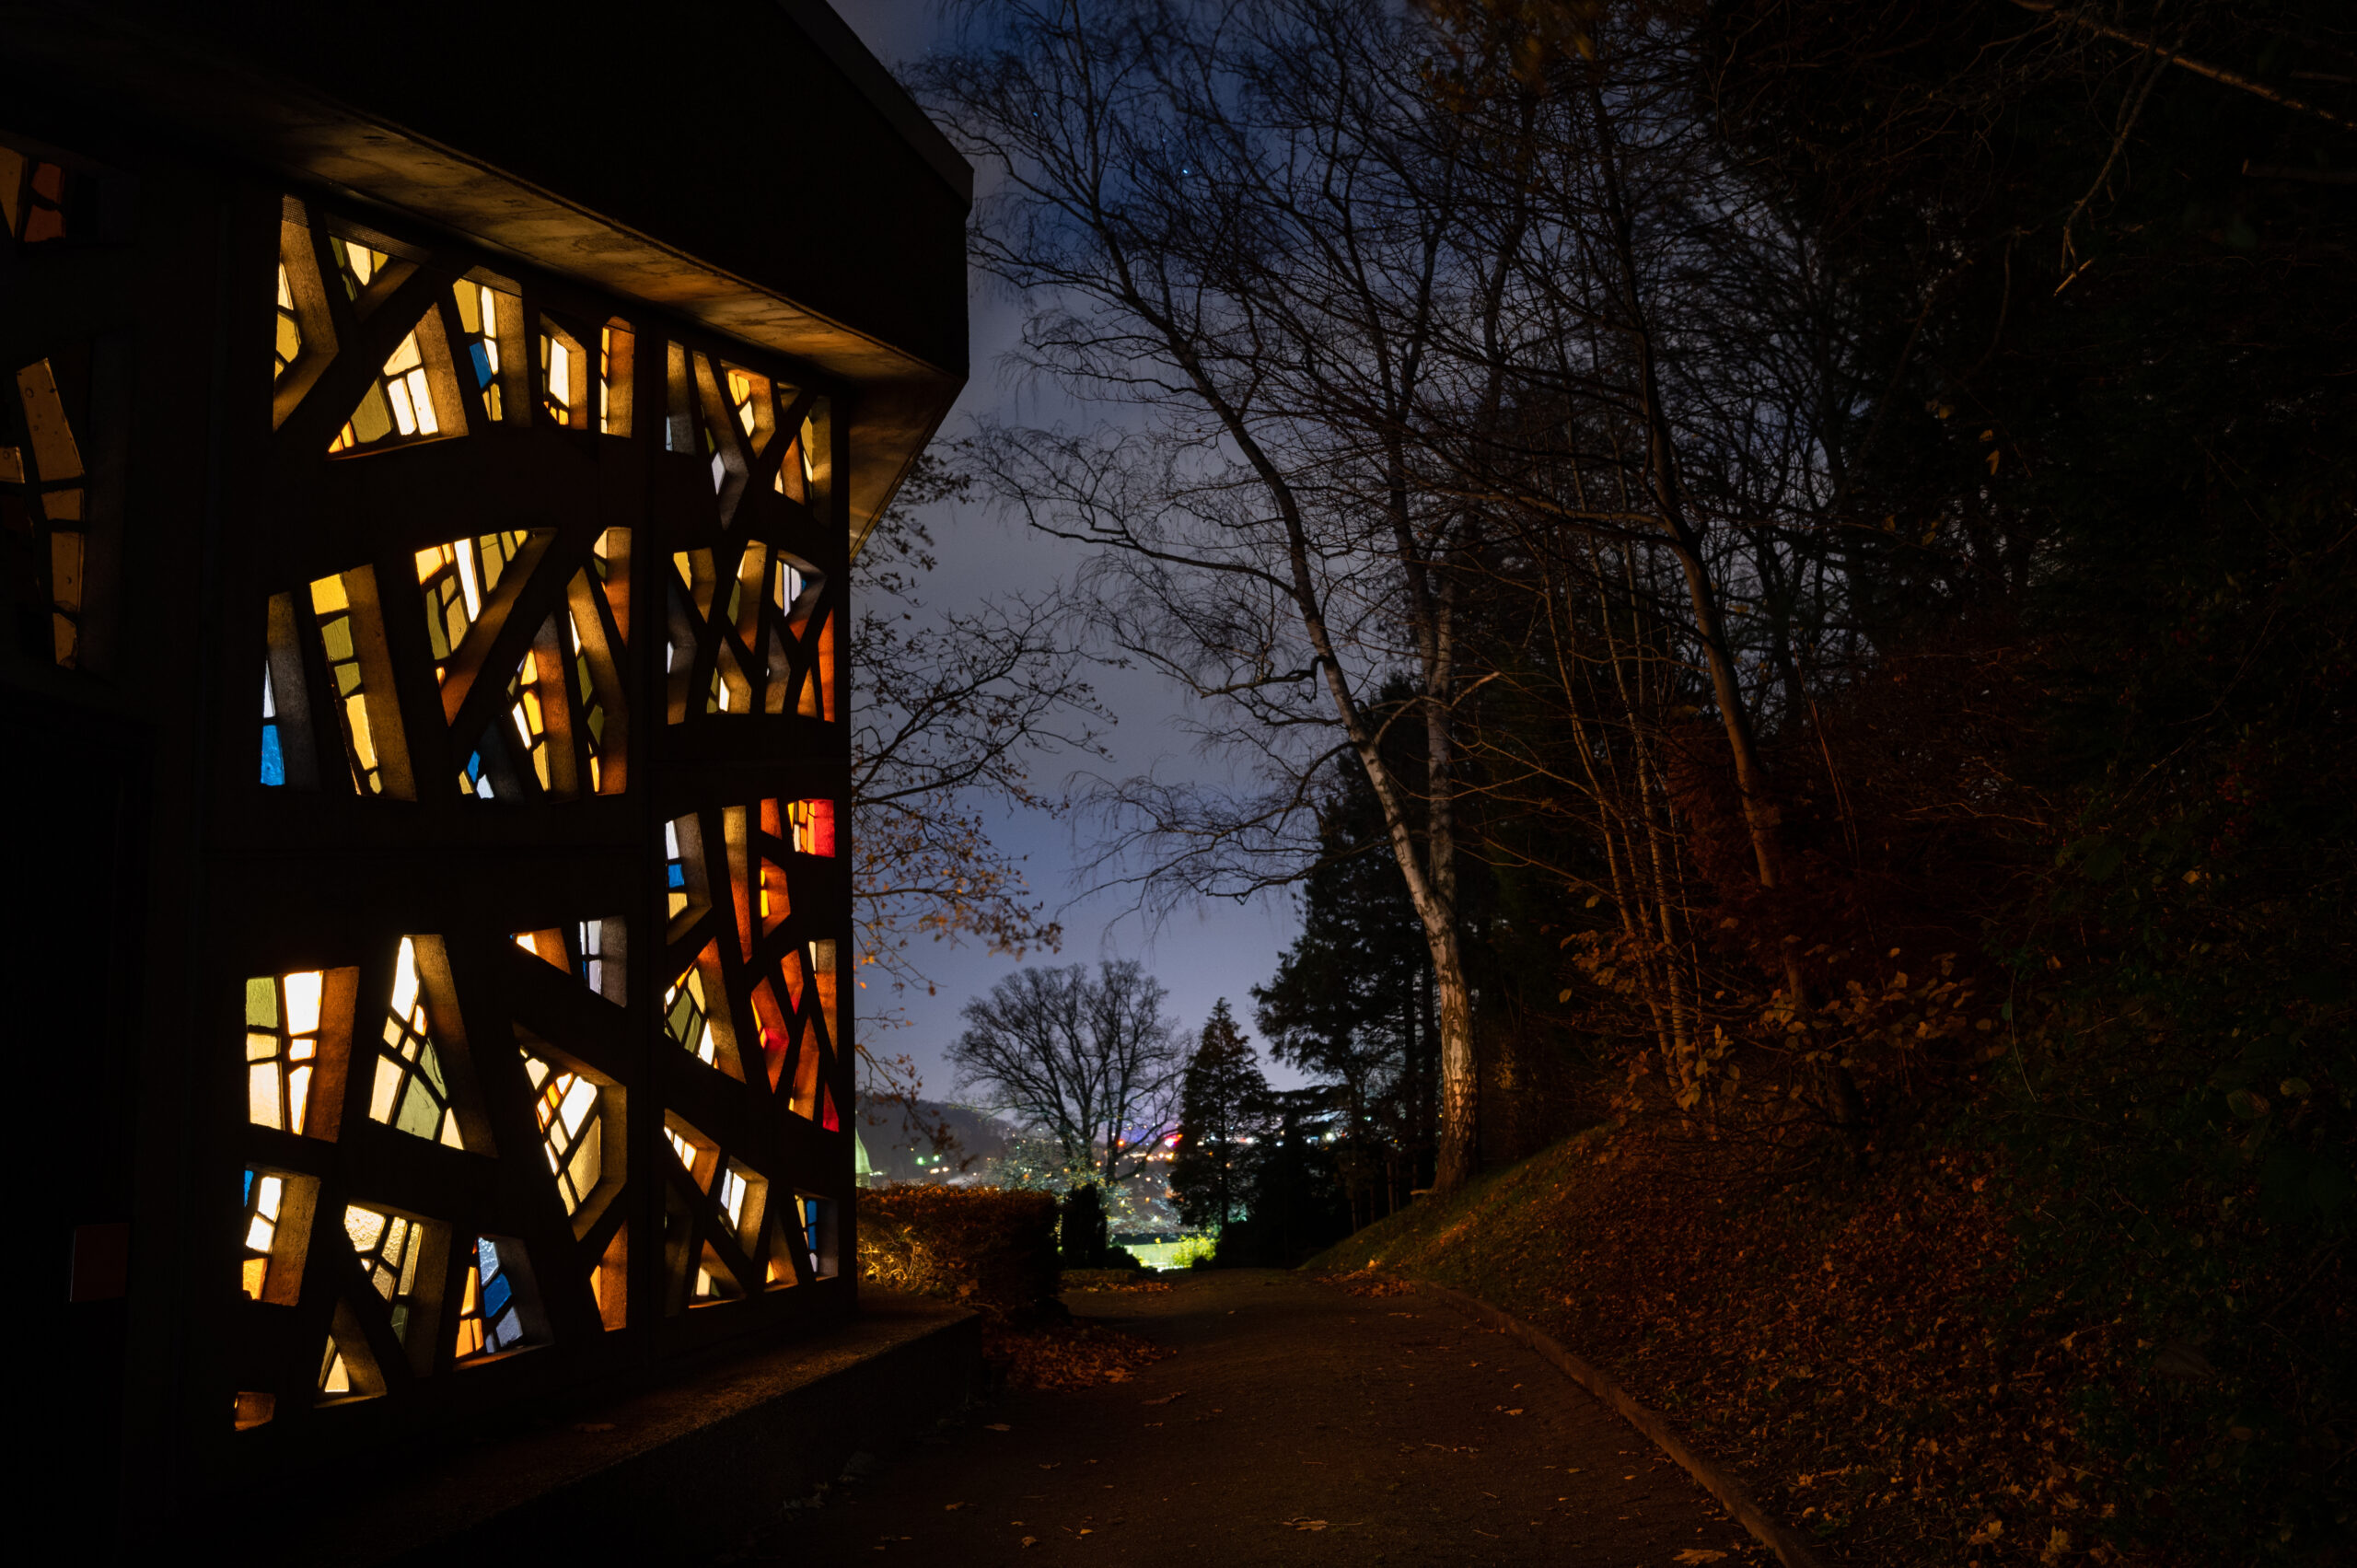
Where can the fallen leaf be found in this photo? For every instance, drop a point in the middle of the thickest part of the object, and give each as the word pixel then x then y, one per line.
pixel 998 1426
pixel 1030 1540
pixel 1304 1524
pixel 1698 1554
pixel 951 1507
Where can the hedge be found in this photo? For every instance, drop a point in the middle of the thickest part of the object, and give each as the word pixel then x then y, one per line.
pixel 982 1247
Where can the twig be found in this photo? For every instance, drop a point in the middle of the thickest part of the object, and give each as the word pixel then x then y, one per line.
pixel 2202 68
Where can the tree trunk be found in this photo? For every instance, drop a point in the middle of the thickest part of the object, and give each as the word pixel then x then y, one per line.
pixel 1454 1159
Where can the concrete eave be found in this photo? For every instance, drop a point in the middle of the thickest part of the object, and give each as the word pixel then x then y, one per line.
pixel 895 399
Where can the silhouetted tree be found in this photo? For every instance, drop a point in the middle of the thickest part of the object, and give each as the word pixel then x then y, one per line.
pixel 1222 1105
pixel 1091 1062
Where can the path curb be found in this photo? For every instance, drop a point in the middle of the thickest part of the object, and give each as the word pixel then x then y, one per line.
pixel 1730 1492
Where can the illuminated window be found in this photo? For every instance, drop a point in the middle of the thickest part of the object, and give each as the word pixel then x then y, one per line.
pixel 455 579
pixel 331 605
pixel 281 1048
pixel 491 1302
pixel 411 1092
pixel 678 892
pixel 479 329
pixel 814 826
pixel 529 717
pixel 571 1134
pixel 289 345
pixel 387 1246
pixel 816 1222
pixel 265 1195
pixel 42 500
pixel 356 266
pixel 687 1014
pixel 398 402
pixel 590 945
pixel 273 750
pixel 590 950
pixel 593 712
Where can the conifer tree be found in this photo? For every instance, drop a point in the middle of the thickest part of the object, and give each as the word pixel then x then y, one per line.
pixel 1222 1104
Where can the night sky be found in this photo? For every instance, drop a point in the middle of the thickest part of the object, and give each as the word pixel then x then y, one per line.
pixel 1201 954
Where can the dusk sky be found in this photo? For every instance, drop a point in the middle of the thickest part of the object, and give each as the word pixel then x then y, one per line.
pixel 1201 954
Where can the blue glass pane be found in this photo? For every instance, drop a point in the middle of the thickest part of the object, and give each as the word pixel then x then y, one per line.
pixel 506 1331
pixel 482 365
pixel 486 1257
pixel 273 762
pixel 679 875
pixel 494 1295
pixel 249 1188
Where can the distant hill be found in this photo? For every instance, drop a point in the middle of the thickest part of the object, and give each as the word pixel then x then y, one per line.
pixel 896 1144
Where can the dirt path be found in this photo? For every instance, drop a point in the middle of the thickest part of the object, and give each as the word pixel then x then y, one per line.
pixel 1297 1424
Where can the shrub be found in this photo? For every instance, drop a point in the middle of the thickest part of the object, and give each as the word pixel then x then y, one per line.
pixel 1082 1229
pixel 982 1247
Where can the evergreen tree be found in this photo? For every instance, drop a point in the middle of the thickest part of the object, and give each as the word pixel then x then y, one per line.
pixel 1221 1105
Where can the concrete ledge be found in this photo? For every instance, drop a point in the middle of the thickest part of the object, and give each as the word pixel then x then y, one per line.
pixel 691 1468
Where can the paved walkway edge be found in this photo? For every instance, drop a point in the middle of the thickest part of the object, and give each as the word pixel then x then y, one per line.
pixel 1730 1492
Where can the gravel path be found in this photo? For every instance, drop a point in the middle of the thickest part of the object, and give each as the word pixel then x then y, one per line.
pixel 1297 1423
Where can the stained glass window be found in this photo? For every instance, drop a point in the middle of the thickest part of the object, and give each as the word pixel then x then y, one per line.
pixel 356 265
pixel 332 606
pixel 42 498
pixel 680 888
pixel 529 717
pixel 593 712
pixel 571 1137
pixel 455 579
pixel 387 1246
pixel 590 960
pixel 265 1195
pixel 336 1380
pixel 281 1048
pixel 688 1016
pixel 411 1091
pixel 814 826
pixel 815 1217
pixel 398 402
pixel 273 750
pixel 479 318
pixel 289 345
pixel 491 1304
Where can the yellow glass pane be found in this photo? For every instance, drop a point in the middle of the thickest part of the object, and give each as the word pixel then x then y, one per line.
pixel 257 1280
pixel 261 1094
pixel 383 1091
pixel 298 1096
pixel 363 1225
pixel 328 596
pixel 303 1001
pixel 261 1048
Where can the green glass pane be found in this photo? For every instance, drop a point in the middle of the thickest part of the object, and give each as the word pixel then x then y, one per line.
pixel 262 1002
pixel 419 1113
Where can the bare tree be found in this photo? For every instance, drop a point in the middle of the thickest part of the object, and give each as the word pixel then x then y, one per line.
pixel 1240 222
pixel 1092 1061
pixel 950 710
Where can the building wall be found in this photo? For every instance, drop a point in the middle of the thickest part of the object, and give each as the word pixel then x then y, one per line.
pixel 301 788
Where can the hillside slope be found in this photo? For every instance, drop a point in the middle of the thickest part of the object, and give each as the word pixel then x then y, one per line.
pixel 1861 1358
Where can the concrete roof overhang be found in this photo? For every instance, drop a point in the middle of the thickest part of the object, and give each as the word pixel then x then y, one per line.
pixel 744 164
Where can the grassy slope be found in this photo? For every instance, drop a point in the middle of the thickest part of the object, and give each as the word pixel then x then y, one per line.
pixel 1846 1353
